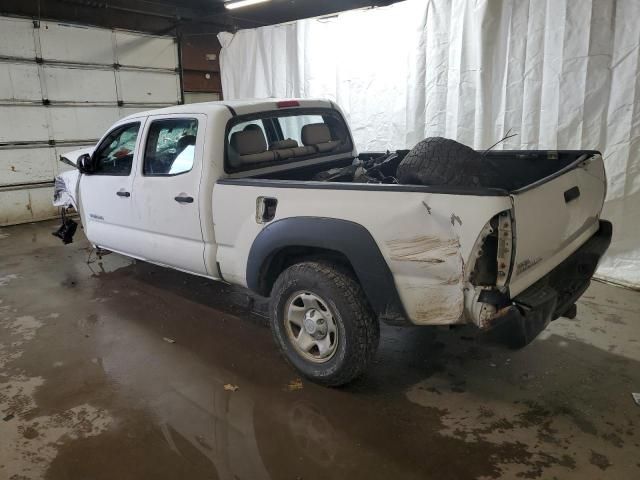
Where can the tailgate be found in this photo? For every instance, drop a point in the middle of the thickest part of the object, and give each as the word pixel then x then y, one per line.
pixel 554 217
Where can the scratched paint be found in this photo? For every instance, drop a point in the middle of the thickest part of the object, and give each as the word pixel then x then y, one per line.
pixel 431 279
pixel 437 308
pixel 423 248
pixel 455 218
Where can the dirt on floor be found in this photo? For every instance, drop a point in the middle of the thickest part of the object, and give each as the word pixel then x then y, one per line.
pixel 114 369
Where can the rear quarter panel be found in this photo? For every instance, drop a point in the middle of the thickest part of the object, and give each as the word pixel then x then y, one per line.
pixel 424 237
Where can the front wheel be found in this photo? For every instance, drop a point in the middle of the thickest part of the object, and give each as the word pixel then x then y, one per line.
pixel 323 323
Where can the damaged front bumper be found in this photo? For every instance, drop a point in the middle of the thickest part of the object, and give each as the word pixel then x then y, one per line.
pixel 555 294
pixel 64 197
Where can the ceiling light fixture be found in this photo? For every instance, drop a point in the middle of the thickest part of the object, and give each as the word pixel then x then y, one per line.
pixel 243 3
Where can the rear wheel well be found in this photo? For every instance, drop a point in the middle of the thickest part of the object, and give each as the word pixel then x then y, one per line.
pixel 283 258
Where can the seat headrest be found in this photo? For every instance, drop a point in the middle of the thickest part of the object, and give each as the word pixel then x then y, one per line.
pixel 185 141
pixel 248 142
pixel 252 126
pixel 315 133
pixel 280 144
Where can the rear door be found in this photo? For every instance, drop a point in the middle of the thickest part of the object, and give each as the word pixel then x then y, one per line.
pixel 167 186
pixel 106 195
pixel 554 218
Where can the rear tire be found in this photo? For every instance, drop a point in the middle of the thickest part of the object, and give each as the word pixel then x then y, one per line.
pixel 322 323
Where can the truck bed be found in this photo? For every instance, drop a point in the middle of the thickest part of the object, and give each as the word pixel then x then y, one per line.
pixel 432 235
pixel 519 169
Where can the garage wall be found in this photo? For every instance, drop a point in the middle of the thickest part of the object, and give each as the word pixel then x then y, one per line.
pixel 61 87
pixel 200 54
pixel 558 73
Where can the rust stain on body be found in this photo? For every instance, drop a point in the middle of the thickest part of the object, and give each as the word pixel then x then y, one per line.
pixel 423 248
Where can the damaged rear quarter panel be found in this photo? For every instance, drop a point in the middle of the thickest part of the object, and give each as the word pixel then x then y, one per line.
pixel 428 249
pixel 425 248
pixel 429 271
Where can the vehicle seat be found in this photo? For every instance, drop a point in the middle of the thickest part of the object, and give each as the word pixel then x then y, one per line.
pixel 318 136
pixel 250 146
pixel 289 148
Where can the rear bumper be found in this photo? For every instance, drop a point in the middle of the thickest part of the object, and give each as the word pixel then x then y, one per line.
pixel 556 293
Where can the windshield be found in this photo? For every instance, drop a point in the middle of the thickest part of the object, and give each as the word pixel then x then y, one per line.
pixel 274 138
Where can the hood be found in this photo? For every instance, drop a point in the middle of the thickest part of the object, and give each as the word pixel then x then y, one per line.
pixel 71 158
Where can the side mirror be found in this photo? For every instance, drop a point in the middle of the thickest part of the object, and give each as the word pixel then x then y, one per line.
pixel 85 164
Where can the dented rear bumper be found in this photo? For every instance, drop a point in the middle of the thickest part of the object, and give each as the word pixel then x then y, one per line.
pixel 556 293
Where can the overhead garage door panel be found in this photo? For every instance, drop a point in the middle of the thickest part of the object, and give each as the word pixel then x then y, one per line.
pixel 67 123
pixel 76 44
pixel 26 165
pixel 149 87
pixel 66 84
pixel 20 82
pixel 61 87
pixel 16 38
pixel 146 51
pixel 71 123
pixel 126 111
pixel 23 124
pixel 26 205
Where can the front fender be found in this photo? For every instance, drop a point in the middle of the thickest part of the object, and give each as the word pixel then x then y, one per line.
pixel 65 190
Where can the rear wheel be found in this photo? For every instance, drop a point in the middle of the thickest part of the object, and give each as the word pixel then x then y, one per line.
pixel 323 323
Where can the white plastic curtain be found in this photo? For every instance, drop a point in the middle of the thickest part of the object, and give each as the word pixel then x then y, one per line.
pixel 561 74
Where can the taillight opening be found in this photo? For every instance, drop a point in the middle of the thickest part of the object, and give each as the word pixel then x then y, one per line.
pixel 492 254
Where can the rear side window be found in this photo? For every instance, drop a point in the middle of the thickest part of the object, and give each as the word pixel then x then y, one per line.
pixel 277 137
pixel 114 155
pixel 171 147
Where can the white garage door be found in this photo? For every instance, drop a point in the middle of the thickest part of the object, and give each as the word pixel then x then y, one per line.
pixel 61 86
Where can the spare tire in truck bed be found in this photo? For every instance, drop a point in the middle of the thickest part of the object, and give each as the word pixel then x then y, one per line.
pixel 442 161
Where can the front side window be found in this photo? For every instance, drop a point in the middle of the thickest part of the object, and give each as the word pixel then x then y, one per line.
pixel 114 156
pixel 171 147
pixel 273 138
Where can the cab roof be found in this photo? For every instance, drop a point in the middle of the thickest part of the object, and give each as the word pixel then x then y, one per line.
pixel 238 107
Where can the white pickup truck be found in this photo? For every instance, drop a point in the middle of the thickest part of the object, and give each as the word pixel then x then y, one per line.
pixel 272 195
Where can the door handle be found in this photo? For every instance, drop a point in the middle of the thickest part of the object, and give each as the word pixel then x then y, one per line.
pixel 571 194
pixel 185 199
pixel 122 193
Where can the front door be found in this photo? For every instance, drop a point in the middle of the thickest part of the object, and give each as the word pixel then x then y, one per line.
pixel 107 194
pixel 167 186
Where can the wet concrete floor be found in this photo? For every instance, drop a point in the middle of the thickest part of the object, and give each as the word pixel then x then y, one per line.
pixel 92 387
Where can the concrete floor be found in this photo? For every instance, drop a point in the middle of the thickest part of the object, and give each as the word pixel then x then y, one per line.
pixel 90 388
